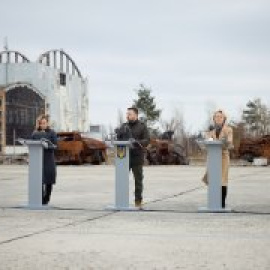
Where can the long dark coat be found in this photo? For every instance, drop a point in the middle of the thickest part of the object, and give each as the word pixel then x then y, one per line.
pixel 49 166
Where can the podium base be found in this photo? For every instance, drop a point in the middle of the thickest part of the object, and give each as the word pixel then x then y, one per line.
pixel 37 207
pixel 122 208
pixel 218 210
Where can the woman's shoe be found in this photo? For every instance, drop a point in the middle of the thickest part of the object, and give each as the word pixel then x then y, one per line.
pixel 45 201
pixel 138 204
pixel 224 195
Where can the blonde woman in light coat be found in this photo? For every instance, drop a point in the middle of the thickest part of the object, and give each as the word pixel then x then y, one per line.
pixel 221 131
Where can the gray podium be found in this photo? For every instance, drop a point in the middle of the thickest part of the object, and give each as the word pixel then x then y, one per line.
pixel 214 175
pixel 122 177
pixel 35 172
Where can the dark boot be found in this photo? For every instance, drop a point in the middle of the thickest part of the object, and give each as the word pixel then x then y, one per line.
pixel 43 194
pixel 224 195
pixel 44 201
pixel 47 193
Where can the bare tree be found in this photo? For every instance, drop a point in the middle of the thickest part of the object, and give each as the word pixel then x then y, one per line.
pixel 210 107
pixel 176 125
pixel 120 117
pixel 104 132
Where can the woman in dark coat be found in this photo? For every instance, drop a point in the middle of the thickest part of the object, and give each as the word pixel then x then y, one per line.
pixel 44 132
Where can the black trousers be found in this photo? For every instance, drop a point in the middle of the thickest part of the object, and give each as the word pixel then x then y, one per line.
pixel 224 192
pixel 46 193
pixel 137 171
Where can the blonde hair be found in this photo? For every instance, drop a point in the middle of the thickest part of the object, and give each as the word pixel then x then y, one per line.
pixel 221 112
pixel 42 117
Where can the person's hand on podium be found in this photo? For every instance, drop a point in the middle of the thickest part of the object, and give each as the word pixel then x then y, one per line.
pixel 135 143
pixel 226 143
pixel 132 142
pixel 48 144
pixel 21 141
pixel 224 140
pixel 45 143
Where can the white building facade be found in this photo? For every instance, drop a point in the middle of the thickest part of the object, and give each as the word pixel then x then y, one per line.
pixel 52 84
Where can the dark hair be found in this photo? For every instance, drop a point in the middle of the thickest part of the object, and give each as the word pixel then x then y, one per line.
pixel 134 110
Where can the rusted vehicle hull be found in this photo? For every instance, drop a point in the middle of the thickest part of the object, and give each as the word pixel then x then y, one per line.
pixel 73 148
pixel 165 152
pixel 251 148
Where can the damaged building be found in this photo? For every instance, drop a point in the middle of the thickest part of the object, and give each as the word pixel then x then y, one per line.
pixel 53 84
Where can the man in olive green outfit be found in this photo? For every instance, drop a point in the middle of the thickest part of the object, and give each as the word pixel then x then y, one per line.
pixel 137 132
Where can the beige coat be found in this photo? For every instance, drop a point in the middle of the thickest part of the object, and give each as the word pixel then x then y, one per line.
pixel 226 133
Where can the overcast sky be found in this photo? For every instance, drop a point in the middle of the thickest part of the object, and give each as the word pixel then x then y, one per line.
pixel 192 54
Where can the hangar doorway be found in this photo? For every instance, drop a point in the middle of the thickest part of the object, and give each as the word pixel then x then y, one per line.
pixel 23 105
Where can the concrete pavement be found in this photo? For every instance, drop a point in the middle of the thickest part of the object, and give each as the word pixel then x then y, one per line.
pixel 77 233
